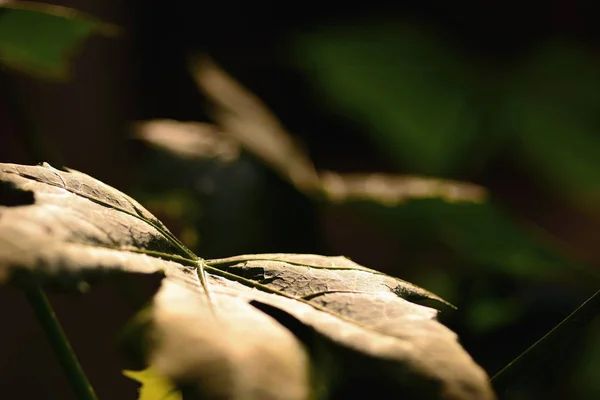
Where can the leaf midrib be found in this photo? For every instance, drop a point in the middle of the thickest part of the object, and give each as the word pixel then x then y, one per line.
pixel 200 264
pixel 244 281
pixel 226 262
pixel 332 268
pixel 165 233
pixel 267 289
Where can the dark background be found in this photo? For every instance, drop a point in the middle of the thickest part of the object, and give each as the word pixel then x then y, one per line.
pixel 86 124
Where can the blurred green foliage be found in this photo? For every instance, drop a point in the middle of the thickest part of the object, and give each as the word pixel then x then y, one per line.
pixel 433 110
pixel 585 376
pixel 553 108
pixel 480 234
pixel 415 96
pixel 39 39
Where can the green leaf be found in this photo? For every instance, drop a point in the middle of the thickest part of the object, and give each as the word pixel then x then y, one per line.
pixel 552 106
pixel 277 326
pixel 222 191
pixel 480 232
pixel 412 94
pixel 154 386
pixel 40 38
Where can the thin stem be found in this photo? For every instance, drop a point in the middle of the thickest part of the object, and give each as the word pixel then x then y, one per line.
pixel 60 344
pixel 584 314
pixel 40 305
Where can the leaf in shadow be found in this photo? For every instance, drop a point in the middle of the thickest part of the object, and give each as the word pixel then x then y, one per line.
pixel 238 354
pixel 39 39
pixel 244 117
pixel 479 232
pixel 389 190
pixel 198 177
pixel 189 140
pixel 456 214
pixel 201 141
pixel 370 313
pixel 226 346
pixel 552 107
pixel 393 190
pixel 411 93
pixel 584 376
pixel 261 133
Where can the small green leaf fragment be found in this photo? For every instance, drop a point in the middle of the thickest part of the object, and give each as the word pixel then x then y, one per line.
pixel 39 39
pixel 153 385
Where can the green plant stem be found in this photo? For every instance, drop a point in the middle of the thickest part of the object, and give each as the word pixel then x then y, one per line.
pixel 60 344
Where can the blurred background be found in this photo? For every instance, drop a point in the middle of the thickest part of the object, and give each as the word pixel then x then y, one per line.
pixel 503 95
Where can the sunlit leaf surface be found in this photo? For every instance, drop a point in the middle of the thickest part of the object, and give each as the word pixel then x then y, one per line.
pixel 272 320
